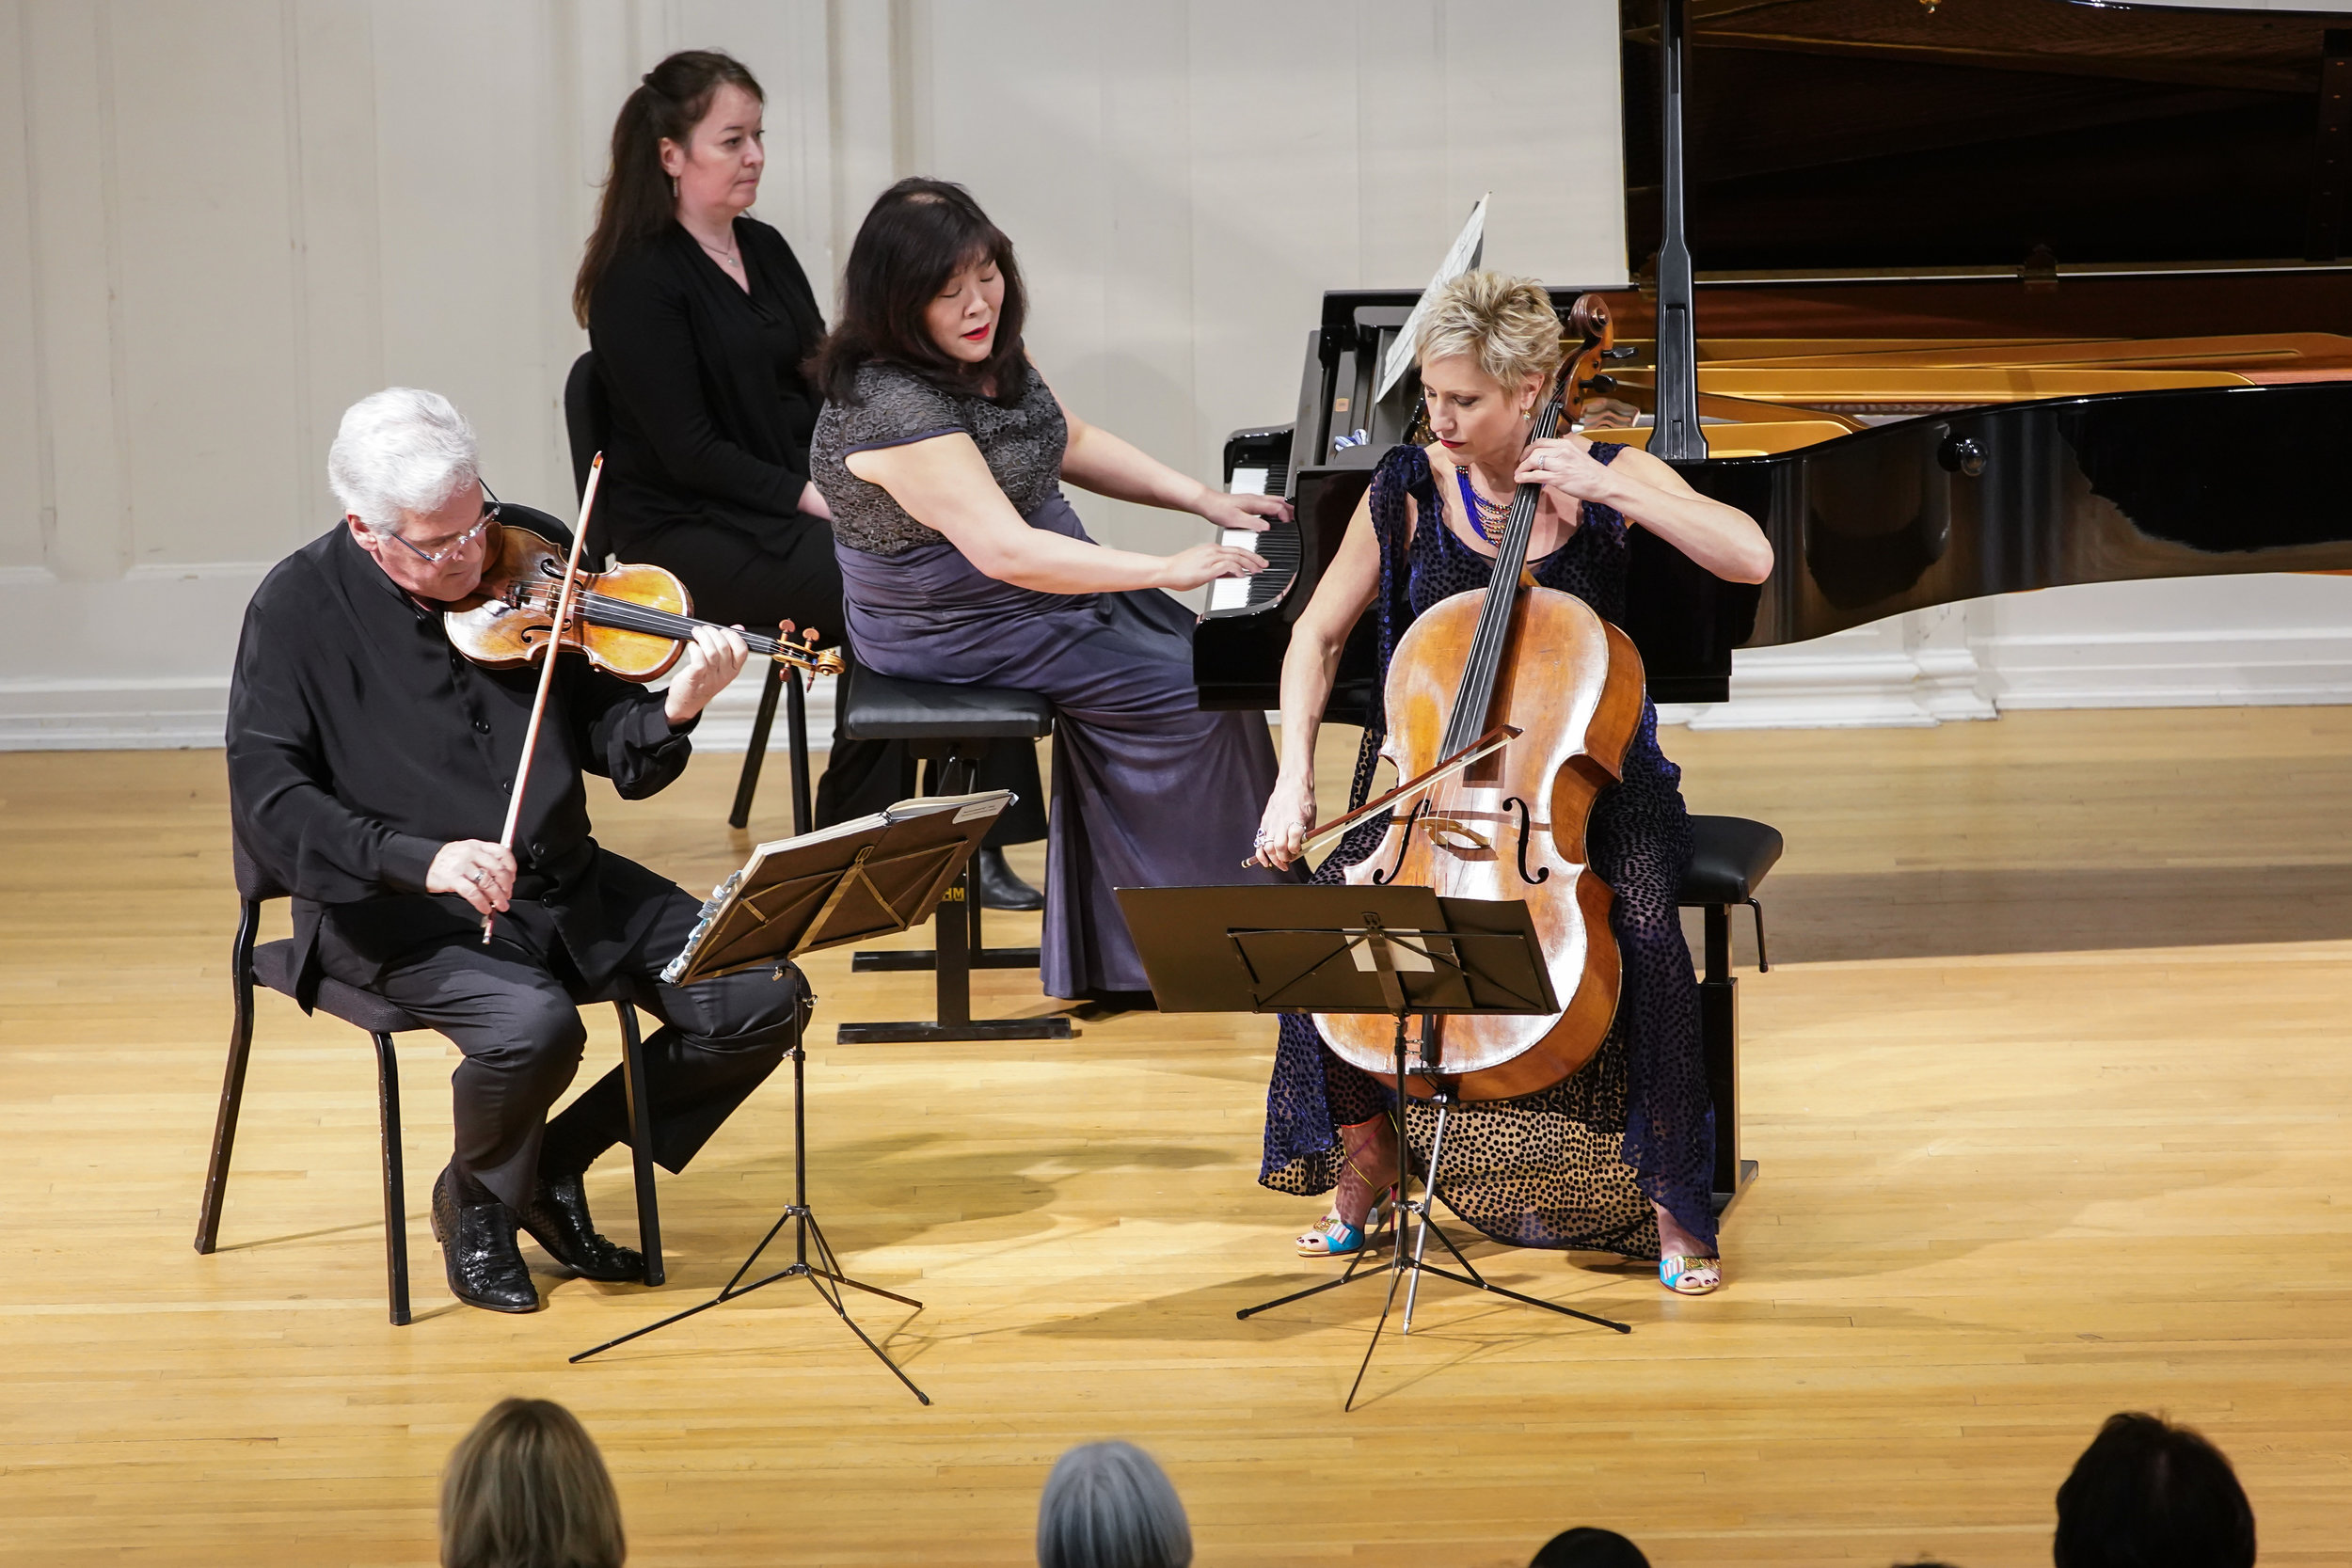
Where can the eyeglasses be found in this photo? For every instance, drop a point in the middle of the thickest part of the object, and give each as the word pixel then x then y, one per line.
pixel 433 558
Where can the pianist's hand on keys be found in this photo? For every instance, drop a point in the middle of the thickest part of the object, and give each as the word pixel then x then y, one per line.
pixel 1276 541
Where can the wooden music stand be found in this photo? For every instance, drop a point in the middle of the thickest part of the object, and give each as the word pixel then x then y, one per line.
pixel 847 883
pixel 1344 949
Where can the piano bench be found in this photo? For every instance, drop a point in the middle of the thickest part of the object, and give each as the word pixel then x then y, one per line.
pixel 951 727
pixel 1730 857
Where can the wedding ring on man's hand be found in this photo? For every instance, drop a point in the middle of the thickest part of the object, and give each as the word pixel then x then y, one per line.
pixel 478 878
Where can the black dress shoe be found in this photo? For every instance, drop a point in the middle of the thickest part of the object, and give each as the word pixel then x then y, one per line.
pixel 485 1267
pixel 558 1221
pixel 999 888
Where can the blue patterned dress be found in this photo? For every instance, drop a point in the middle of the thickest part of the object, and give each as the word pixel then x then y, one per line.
pixel 1578 1165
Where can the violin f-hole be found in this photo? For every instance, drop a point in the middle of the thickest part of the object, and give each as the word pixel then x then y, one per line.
pixel 1543 874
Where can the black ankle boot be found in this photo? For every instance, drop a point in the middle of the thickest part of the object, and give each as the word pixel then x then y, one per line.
pixel 485 1267
pixel 558 1221
pixel 999 888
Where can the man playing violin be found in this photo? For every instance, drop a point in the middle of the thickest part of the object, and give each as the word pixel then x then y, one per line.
pixel 370 768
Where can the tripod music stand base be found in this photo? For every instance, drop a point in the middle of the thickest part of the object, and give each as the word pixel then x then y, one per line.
pixel 813 1257
pixel 809 1272
pixel 925 961
pixel 979 1029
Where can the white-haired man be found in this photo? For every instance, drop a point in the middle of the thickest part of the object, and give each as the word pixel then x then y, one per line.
pixel 370 766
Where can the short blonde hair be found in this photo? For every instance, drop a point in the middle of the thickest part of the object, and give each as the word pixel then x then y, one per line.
pixel 1505 323
pixel 526 1488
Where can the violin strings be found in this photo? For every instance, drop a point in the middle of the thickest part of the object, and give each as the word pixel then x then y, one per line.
pixel 622 615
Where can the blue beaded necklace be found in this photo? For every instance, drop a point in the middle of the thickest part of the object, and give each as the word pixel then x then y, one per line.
pixel 1481 511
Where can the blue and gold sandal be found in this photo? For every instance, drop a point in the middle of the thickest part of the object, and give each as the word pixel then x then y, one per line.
pixel 1333 1237
pixel 1691 1276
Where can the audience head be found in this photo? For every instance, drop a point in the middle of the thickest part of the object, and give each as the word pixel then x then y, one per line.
pixel 1488 345
pixel 526 1488
pixel 931 284
pixel 688 139
pixel 1587 1547
pixel 405 466
pixel 2147 1494
pixel 1107 1505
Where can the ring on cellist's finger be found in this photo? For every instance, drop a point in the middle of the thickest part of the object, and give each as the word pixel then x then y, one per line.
pixel 477 878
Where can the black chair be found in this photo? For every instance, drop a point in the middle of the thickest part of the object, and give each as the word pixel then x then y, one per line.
pixel 272 964
pixel 950 728
pixel 1729 858
pixel 587 424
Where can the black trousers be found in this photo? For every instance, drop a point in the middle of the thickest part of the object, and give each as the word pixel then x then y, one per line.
pixel 757 571
pixel 513 1008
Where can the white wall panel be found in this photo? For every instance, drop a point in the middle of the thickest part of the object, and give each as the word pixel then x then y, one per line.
pixel 22 415
pixel 204 237
pixel 220 224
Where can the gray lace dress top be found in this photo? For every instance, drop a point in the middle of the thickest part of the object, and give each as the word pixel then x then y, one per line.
pixel 1023 445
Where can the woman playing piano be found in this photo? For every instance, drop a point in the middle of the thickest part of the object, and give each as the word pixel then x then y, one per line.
pixel 1618 1156
pixel 941 452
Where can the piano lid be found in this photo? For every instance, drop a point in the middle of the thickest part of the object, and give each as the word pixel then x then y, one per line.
pixel 1832 136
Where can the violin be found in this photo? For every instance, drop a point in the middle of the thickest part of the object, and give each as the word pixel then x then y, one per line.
pixel 633 621
pixel 1561 690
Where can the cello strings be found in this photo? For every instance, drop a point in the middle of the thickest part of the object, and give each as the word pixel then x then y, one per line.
pixel 1484 659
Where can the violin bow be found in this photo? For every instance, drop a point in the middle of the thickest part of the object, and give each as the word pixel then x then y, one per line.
pixel 546 675
pixel 1493 740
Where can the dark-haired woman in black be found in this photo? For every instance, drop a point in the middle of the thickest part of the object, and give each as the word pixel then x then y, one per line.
pixel 700 317
pixel 943 453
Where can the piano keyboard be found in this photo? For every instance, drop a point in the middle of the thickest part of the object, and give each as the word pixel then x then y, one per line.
pixel 1278 543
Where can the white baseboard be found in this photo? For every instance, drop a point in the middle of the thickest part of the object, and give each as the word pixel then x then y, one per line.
pixel 2288 666
pixel 2277 642
pixel 171 713
pixel 107 715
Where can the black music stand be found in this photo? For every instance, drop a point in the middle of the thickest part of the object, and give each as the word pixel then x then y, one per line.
pixel 842 884
pixel 1340 949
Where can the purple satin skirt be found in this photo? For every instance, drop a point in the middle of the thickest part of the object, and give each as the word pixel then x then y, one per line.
pixel 1149 790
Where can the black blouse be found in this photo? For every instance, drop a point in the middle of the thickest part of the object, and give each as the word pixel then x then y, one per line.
pixel 709 407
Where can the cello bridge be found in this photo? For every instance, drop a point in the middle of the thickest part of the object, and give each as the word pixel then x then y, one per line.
pixel 1453 833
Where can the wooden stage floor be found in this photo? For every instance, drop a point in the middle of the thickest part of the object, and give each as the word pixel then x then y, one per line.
pixel 2048 1084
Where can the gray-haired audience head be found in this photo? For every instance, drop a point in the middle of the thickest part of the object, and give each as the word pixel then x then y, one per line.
pixel 400 452
pixel 1107 1505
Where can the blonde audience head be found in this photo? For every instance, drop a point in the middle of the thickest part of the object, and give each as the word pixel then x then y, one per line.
pixel 526 1488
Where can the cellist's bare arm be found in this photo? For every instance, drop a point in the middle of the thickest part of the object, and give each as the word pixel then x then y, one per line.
pixel 1308 670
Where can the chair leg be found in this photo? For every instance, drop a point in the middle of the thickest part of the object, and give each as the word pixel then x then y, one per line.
pixel 756 752
pixel 796 731
pixel 395 1183
pixel 232 1083
pixel 640 1142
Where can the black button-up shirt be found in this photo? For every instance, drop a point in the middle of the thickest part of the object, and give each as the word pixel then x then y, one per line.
pixel 360 741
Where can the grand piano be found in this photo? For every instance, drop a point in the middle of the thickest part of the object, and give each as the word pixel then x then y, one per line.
pixel 1998 294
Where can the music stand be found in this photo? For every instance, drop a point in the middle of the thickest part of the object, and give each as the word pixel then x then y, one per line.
pixel 1343 949
pixel 842 884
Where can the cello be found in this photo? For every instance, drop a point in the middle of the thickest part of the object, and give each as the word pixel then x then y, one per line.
pixel 1510 825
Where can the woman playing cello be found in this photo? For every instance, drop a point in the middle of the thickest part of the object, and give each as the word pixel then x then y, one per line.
pixel 1618 1156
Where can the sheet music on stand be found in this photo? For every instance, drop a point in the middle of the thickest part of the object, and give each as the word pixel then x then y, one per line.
pixel 848 882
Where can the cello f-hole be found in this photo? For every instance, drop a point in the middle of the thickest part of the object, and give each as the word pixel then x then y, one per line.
pixel 1542 874
pixel 1403 842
